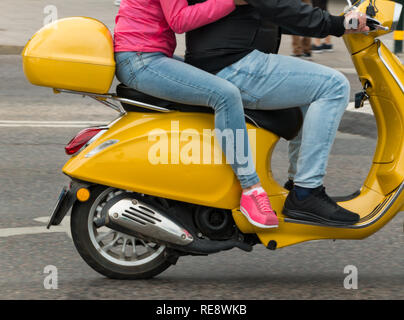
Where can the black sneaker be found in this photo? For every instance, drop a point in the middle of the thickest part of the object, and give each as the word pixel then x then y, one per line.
pixel 289 185
pixel 318 207
pixel 327 47
pixel 307 56
pixel 316 49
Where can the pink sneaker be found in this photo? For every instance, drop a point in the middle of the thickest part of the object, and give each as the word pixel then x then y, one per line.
pixel 257 209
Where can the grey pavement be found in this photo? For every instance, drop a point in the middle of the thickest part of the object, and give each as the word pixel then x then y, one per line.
pixel 30 163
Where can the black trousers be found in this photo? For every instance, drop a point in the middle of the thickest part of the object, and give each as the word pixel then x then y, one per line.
pixel 322 4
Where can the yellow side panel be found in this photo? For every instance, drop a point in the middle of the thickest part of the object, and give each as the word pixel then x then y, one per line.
pixel 142 161
pixel 151 157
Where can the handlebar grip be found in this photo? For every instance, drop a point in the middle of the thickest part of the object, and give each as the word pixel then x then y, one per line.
pixel 374 24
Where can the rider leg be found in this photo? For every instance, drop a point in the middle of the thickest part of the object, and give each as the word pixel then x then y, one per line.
pixel 269 81
pixel 293 153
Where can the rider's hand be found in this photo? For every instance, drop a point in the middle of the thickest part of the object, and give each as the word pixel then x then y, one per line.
pixel 355 22
pixel 240 3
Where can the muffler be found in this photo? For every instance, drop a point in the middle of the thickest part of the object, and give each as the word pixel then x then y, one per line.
pixel 131 216
pixel 136 218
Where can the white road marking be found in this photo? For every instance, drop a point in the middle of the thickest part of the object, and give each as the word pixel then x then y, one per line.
pixel 64 227
pixel 50 124
pixel 365 109
pixel 347 70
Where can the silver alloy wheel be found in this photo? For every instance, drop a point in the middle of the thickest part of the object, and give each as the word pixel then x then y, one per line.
pixel 117 247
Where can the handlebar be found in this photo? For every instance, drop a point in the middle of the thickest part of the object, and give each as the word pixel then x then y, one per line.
pixel 375 24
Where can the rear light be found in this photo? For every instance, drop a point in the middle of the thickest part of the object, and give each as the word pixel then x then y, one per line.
pixel 82 139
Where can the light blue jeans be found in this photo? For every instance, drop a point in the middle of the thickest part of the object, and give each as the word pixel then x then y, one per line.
pixel 167 78
pixel 269 81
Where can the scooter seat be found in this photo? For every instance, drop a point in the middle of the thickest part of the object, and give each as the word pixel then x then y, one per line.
pixel 285 123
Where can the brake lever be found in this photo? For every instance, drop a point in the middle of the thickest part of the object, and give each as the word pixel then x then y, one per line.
pixel 374 24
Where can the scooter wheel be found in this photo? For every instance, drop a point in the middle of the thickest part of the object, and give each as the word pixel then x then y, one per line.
pixel 111 253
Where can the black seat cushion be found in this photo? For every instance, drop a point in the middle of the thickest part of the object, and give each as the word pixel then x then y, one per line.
pixel 285 123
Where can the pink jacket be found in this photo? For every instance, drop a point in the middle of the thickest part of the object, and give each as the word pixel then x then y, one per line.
pixel 150 25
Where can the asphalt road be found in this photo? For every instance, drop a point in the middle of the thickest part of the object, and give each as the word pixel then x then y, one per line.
pixel 31 159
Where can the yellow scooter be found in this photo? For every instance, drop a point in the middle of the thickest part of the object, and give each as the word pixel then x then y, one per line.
pixel 153 185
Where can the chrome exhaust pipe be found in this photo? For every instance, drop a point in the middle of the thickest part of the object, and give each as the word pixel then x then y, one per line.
pixel 134 217
pixel 131 216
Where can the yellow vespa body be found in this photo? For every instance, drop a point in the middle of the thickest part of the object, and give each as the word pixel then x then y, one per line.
pixel 172 154
pixel 126 164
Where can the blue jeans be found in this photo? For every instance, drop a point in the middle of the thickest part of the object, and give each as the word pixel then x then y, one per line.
pixel 167 78
pixel 269 81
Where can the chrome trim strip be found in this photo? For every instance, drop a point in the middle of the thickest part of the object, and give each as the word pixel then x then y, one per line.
pixel 389 68
pixel 114 121
pixel 141 104
pixel 113 96
pixel 252 120
pixel 120 109
pixel 101 147
pixel 99 134
pixel 356 226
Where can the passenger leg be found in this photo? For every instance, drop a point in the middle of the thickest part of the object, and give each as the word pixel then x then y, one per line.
pixel 279 82
pixel 170 79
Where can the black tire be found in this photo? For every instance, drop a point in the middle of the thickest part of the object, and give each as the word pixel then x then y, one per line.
pixel 82 241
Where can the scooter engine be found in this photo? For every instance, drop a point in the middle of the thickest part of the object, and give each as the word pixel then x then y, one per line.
pixel 216 224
